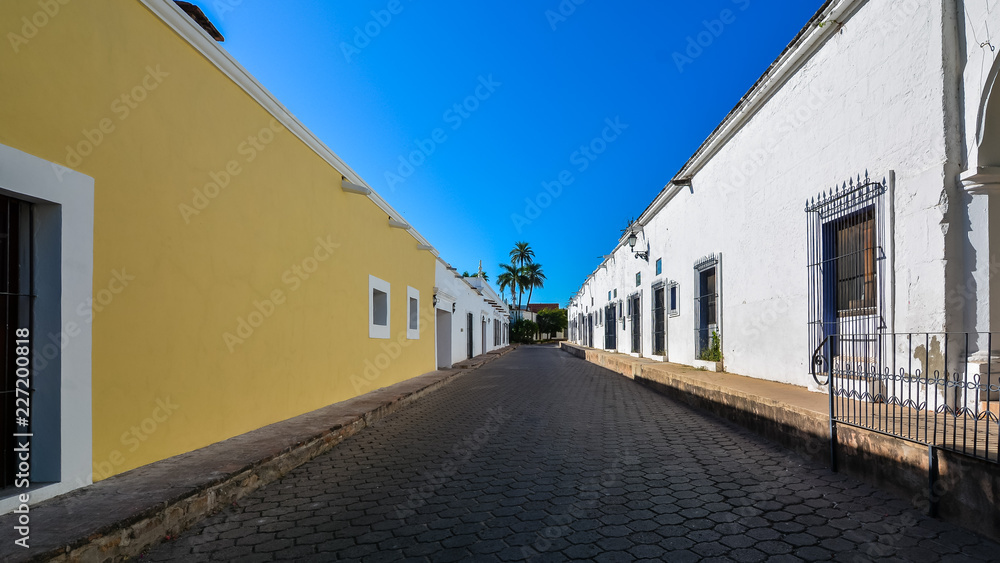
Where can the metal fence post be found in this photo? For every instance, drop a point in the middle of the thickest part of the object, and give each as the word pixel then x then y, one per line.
pixel 833 420
pixel 932 475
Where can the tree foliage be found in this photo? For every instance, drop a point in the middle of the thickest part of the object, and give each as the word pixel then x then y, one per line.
pixel 508 279
pixel 551 321
pixel 534 277
pixel 523 331
pixel 520 255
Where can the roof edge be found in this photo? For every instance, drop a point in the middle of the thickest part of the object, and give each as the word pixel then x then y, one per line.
pixel 175 18
pixel 803 46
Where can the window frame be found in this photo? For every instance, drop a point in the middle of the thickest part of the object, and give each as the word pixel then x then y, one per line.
pixel 376 330
pixel 713 263
pixel 848 284
pixel 63 256
pixel 656 319
pixel 673 299
pixel 412 294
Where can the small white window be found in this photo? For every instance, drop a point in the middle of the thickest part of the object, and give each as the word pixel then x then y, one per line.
pixel 413 310
pixel 378 308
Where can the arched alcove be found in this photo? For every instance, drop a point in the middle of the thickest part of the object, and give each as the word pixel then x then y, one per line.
pixel 982 181
pixel 983 173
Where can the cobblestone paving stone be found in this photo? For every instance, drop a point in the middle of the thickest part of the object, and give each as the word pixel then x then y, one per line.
pixel 541 456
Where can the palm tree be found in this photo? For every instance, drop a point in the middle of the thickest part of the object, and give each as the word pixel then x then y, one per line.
pixel 522 284
pixel 520 255
pixel 534 277
pixel 508 279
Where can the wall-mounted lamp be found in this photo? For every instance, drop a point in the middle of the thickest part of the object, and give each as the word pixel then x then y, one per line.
pixel 435 299
pixel 632 239
pixel 453 307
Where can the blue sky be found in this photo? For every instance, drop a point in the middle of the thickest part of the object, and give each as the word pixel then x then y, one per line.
pixel 460 114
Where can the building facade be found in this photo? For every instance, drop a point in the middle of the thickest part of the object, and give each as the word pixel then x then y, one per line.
pixel 471 319
pixel 850 192
pixel 187 262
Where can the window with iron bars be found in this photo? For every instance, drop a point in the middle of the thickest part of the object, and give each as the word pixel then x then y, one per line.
pixel 16 304
pixel 846 262
pixel 854 252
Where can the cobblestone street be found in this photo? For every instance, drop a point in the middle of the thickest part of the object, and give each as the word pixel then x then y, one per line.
pixel 541 456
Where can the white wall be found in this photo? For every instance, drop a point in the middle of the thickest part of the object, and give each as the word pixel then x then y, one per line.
pixel 870 99
pixel 469 295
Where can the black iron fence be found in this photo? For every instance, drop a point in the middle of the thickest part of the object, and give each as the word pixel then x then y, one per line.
pixel 941 390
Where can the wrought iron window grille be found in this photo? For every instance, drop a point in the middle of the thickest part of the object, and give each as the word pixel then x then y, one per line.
pixel 707 313
pixel 846 263
pixel 635 313
pixel 659 322
pixel 849 196
pixel 941 390
pixel 17 301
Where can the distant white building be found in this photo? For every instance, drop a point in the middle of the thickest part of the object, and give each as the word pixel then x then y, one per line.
pixel 852 192
pixel 470 318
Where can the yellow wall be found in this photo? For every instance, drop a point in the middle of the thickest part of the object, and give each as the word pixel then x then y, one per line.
pixel 158 337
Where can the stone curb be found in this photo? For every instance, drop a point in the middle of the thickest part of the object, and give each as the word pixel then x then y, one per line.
pixel 122 516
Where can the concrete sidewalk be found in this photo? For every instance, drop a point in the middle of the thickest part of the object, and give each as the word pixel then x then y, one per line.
pixel 121 516
pixel 967 491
